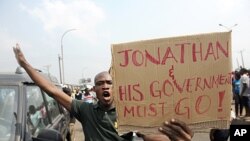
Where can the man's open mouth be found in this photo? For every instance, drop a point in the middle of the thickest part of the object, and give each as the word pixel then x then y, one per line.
pixel 106 94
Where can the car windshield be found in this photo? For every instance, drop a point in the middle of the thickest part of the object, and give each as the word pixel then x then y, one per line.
pixel 8 110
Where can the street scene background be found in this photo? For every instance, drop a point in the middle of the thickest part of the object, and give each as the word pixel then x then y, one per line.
pixel 72 39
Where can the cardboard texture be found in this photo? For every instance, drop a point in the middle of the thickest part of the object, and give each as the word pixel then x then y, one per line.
pixel 187 77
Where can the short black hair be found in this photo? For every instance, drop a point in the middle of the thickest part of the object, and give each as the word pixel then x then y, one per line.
pixel 243 71
pixel 237 75
pixel 67 91
pixel 219 134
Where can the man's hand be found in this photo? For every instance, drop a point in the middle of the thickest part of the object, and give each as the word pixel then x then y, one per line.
pixel 19 55
pixel 177 130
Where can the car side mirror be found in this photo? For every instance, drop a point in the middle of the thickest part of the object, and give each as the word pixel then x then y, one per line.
pixel 48 135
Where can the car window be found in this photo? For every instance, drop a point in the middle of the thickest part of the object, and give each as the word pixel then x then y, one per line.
pixel 8 110
pixel 52 107
pixel 37 116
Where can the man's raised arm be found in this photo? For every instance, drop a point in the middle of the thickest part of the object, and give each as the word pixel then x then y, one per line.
pixel 42 82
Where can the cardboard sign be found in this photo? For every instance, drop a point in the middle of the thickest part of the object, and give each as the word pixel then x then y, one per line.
pixel 188 78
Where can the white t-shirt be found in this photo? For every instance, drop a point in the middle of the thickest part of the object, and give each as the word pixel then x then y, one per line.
pixel 244 80
pixel 35 118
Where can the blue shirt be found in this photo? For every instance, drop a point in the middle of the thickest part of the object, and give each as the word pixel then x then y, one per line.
pixel 236 86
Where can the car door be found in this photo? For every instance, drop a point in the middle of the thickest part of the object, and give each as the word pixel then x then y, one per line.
pixel 59 121
pixel 37 115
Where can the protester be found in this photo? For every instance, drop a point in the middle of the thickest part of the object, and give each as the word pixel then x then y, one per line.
pixel 236 95
pixel 98 119
pixel 244 89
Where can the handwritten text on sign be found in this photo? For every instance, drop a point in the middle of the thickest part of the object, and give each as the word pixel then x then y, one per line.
pixel 184 77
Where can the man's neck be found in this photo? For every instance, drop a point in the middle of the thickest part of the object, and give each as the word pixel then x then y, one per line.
pixel 107 107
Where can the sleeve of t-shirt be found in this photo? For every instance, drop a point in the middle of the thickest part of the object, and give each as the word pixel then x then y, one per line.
pixel 244 79
pixel 76 110
pixel 39 114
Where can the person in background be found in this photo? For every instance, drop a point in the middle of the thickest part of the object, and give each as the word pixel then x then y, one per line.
pixel 98 120
pixel 236 95
pixel 36 119
pixel 244 89
pixel 88 97
pixel 78 94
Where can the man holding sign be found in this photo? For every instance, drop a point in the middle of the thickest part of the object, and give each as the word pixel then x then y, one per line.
pixel 99 121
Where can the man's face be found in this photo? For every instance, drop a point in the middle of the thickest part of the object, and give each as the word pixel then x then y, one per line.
pixel 103 89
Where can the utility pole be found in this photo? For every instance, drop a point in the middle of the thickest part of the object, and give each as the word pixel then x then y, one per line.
pixel 60 70
pixel 242 60
pixel 62 57
pixel 238 63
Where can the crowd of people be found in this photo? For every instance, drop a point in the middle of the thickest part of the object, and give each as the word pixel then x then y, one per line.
pixel 86 94
pixel 241 93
